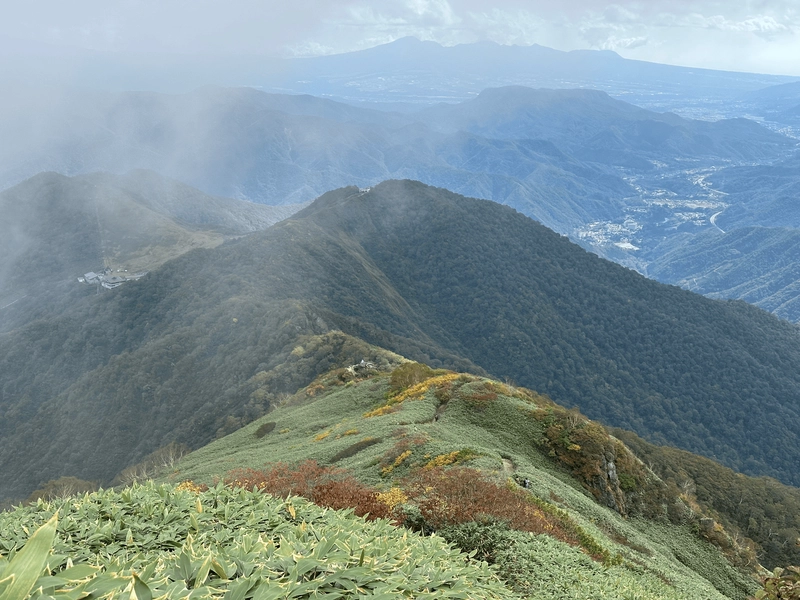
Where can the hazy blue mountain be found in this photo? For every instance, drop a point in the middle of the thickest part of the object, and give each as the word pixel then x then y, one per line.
pixel 595 127
pixel 774 100
pixel 180 354
pixel 287 149
pixel 758 264
pixel 533 154
pixel 404 71
pixel 426 72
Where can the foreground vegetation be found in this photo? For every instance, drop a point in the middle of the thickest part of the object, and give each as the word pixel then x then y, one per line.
pixel 227 542
pixel 549 503
pixel 160 541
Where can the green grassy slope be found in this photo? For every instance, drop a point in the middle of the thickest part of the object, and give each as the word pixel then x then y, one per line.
pixel 502 431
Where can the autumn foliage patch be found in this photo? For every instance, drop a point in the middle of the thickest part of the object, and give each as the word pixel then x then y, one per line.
pixel 427 500
pixel 455 496
pixel 325 486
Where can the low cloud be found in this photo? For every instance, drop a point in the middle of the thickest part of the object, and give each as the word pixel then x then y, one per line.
pixel 508 26
pixel 629 43
pixel 763 25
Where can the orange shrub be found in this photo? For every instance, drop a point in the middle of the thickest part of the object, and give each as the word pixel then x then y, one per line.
pixel 454 496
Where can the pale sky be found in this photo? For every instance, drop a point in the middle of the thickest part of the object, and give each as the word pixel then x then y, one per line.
pixel 751 35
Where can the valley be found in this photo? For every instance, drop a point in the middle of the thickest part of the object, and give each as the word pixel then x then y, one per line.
pixel 666 203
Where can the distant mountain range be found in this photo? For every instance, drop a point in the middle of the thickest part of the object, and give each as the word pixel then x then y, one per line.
pixel 623 181
pixel 181 354
pixel 594 127
pixel 406 71
pixel 410 70
pixel 544 152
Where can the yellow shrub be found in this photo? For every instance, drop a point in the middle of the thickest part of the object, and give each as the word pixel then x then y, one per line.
pixel 189 486
pixel 380 411
pixel 313 390
pixel 393 497
pixel 397 462
pixel 442 460
pixel 415 392
pixel 418 390
pixel 451 458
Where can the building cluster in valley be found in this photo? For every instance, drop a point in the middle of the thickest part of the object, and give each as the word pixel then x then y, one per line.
pixel 108 279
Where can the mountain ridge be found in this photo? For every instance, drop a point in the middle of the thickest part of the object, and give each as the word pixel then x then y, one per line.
pixel 387 427
pixel 424 71
pixel 437 277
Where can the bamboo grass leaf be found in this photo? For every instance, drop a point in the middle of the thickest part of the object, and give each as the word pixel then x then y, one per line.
pixel 28 563
pixel 141 591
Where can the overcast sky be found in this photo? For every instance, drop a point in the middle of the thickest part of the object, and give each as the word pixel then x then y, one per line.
pixel 749 35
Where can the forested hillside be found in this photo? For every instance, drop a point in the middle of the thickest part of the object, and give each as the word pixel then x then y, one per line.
pixel 529 305
pixel 182 354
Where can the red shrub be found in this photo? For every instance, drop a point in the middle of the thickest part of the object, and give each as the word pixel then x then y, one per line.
pixel 284 480
pixel 325 486
pixel 349 493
